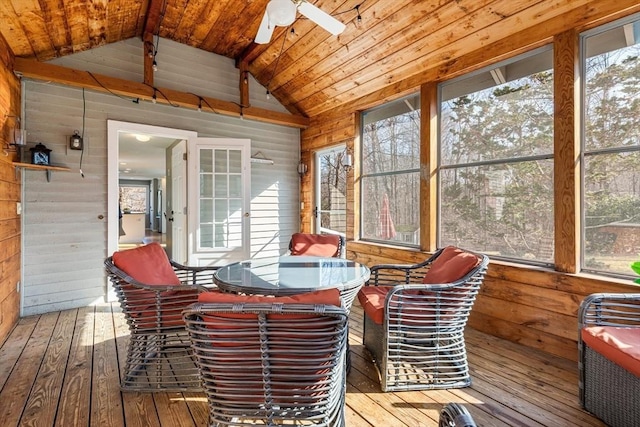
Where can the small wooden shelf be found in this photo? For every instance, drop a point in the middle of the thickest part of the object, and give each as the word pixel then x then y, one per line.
pixel 46 168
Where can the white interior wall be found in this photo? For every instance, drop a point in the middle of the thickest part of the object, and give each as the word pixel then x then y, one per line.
pixel 65 220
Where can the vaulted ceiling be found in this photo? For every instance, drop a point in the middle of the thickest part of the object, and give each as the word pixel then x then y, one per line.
pixel 306 68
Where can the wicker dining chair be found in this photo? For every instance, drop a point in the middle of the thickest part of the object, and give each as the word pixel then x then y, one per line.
pixel 324 245
pixel 609 350
pixel 153 291
pixel 455 415
pixel 271 360
pixel 414 319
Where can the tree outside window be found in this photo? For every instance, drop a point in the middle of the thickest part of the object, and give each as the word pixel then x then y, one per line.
pixel 496 160
pixel 390 181
pixel 611 148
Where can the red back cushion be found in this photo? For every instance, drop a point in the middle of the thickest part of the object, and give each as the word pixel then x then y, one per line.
pixel 326 296
pixel 325 245
pixel 452 264
pixel 147 264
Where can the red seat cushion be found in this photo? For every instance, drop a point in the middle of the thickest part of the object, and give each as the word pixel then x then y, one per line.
pixel 147 264
pixel 325 245
pixel 372 301
pixel 451 265
pixel 618 344
pixel 325 296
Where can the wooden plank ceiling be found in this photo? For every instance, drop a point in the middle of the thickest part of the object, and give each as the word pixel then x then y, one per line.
pixel 306 68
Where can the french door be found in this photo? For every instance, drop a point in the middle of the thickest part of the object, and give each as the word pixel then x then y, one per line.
pixel 219 200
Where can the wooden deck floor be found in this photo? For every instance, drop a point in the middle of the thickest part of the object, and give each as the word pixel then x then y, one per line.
pixel 61 369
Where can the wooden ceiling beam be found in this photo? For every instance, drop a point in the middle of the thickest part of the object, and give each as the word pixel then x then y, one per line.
pixel 76 78
pixel 153 18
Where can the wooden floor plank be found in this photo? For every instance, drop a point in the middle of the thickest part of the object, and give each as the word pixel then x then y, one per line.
pixel 139 408
pixel 18 387
pixel 106 402
pixel 512 385
pixel 9 354
pixel 75 397
pixel 42 404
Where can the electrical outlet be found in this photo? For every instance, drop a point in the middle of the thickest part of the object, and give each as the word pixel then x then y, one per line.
pixel 18 286
pixel 18 208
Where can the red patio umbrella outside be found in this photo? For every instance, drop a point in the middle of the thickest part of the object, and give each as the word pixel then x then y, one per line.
pixel 387 230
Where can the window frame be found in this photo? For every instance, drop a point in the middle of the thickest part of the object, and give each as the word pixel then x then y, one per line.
pixel 364 176
pixel 584 152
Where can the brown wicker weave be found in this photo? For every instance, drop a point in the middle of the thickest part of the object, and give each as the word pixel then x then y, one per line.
pixel 159 355
pixel 420 344
pixel 455 415
pixel 607 390
pixel 271 364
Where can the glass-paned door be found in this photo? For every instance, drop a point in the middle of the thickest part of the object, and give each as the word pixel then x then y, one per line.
pixel 220 221
pixel 331 191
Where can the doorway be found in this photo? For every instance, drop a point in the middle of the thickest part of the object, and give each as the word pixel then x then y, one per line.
pixel 146 160
pixel 331 191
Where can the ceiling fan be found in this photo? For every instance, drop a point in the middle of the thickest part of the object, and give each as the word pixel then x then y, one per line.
pixel 282 13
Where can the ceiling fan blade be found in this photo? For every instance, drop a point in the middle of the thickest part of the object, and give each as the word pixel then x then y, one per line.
pixel 321 18
pixel 265 31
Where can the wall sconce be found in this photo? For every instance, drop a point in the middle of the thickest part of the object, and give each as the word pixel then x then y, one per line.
pixel 75 141
pixel 302 169
pixel 347 162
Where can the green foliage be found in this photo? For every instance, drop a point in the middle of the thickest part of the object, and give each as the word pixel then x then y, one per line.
pixel 636 268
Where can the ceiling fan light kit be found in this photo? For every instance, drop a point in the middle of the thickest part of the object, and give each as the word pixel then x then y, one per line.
pixel 282 13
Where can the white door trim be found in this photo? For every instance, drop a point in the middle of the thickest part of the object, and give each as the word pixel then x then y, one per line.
pixel 113 128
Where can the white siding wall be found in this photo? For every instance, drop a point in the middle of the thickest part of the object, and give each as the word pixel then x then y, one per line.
pixel 65 220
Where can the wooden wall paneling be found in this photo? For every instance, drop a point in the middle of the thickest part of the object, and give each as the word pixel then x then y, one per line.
pixel 552 323
pixel 307 202
pixel 566 165
pixel 428 166
pixel 522 334
pixel 326 132
pixel 10 194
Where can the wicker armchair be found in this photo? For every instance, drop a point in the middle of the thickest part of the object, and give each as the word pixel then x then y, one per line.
pixel 153 291
pixel 271 360
pixel 415 317
pixel 609 347
pixel 455 415
pixel 325 245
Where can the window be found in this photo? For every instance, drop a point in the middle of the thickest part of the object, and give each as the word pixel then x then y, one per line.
pixel 611 147
pixel 496 160
pixel 390 181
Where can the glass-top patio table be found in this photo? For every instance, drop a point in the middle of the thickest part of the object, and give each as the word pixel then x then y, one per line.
pixel 291 275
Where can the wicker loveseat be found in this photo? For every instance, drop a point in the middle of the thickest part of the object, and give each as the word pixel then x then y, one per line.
pixel 153 291
pixel 609 346
pixel 415 317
